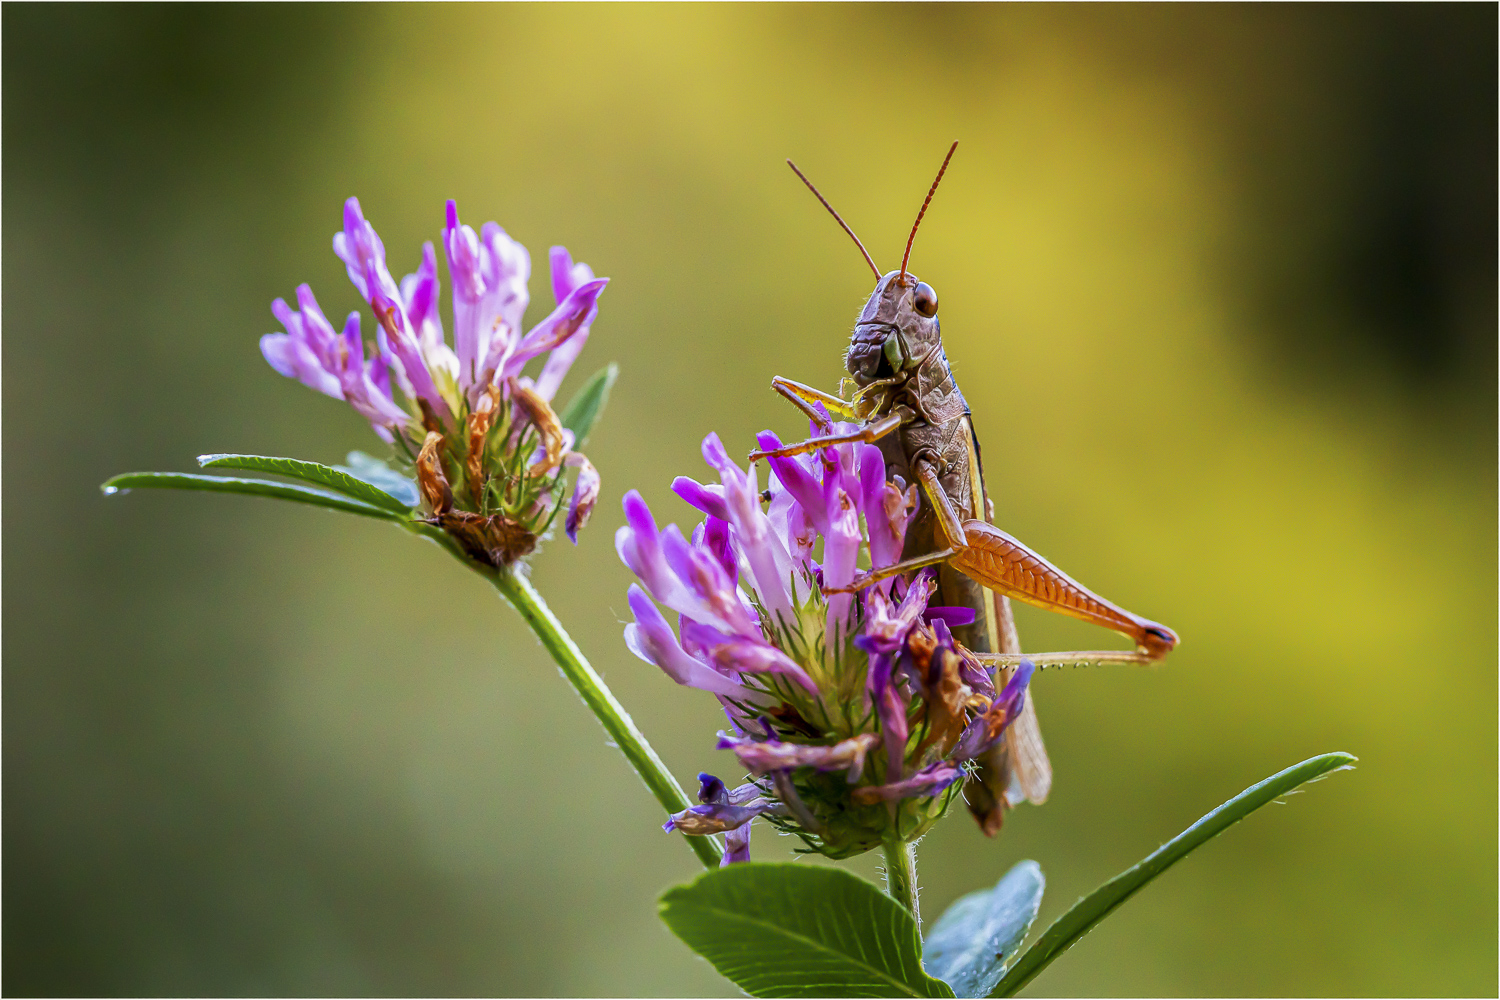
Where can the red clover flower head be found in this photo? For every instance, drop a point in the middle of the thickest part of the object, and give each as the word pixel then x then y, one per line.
pixel 489 452
pixel 854 714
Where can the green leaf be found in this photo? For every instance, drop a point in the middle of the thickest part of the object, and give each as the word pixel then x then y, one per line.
pixel 586 405
pixel 785 930
pixel 309 472
pixel 969 945
pixel 1087 912
pixel 375 472
pixel 252 487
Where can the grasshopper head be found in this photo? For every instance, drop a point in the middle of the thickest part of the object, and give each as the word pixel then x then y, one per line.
pixel 897 331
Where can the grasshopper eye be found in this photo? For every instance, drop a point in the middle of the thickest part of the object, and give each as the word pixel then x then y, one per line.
pixel 924 299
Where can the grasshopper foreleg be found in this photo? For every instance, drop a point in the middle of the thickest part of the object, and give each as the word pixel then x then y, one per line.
pixel 818 417
pixel 804 396
pixel 867 434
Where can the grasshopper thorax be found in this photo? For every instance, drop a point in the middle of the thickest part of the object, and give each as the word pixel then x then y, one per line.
pixel 896 333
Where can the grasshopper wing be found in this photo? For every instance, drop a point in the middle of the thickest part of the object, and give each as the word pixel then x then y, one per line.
pixel 1028 772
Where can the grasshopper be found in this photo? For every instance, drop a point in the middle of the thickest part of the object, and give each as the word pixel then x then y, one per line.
pixel 906 401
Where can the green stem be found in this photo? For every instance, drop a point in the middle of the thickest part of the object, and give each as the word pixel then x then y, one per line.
pixel 521 595
pixel 901 876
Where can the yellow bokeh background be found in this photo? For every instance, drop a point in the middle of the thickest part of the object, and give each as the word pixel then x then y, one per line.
pixel 254 748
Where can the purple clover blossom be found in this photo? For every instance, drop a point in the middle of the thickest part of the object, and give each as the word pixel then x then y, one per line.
pixel 585 494
pixel 490 276
pixel 726 811
pixel 928 781
pixel 419 297
pixel 854 713
pixel 363 255
pixel 490 273
pixel 986 728
pixel 764 756
pixel 334 364
pixel 651 638
pixel 567 278
pixel 884 640
pixel 470 410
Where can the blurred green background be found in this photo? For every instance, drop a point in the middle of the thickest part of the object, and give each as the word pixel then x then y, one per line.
pixel 1219 283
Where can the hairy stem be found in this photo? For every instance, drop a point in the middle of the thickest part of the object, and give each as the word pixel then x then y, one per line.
pixel 521 595
pixel 901 876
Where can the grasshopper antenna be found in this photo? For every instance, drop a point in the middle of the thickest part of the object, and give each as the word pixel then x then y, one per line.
pixel 836 216
pixel 930 192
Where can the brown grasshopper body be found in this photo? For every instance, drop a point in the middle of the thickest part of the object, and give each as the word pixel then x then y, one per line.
pixel 939 430
pixel 907 402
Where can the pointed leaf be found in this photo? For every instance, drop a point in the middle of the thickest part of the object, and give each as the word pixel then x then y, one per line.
pixel 252 487
pixel 783 930
pixel 309 472
pixel 586 405
pixel 970 944
pixel 1087 912
pixel 375 472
